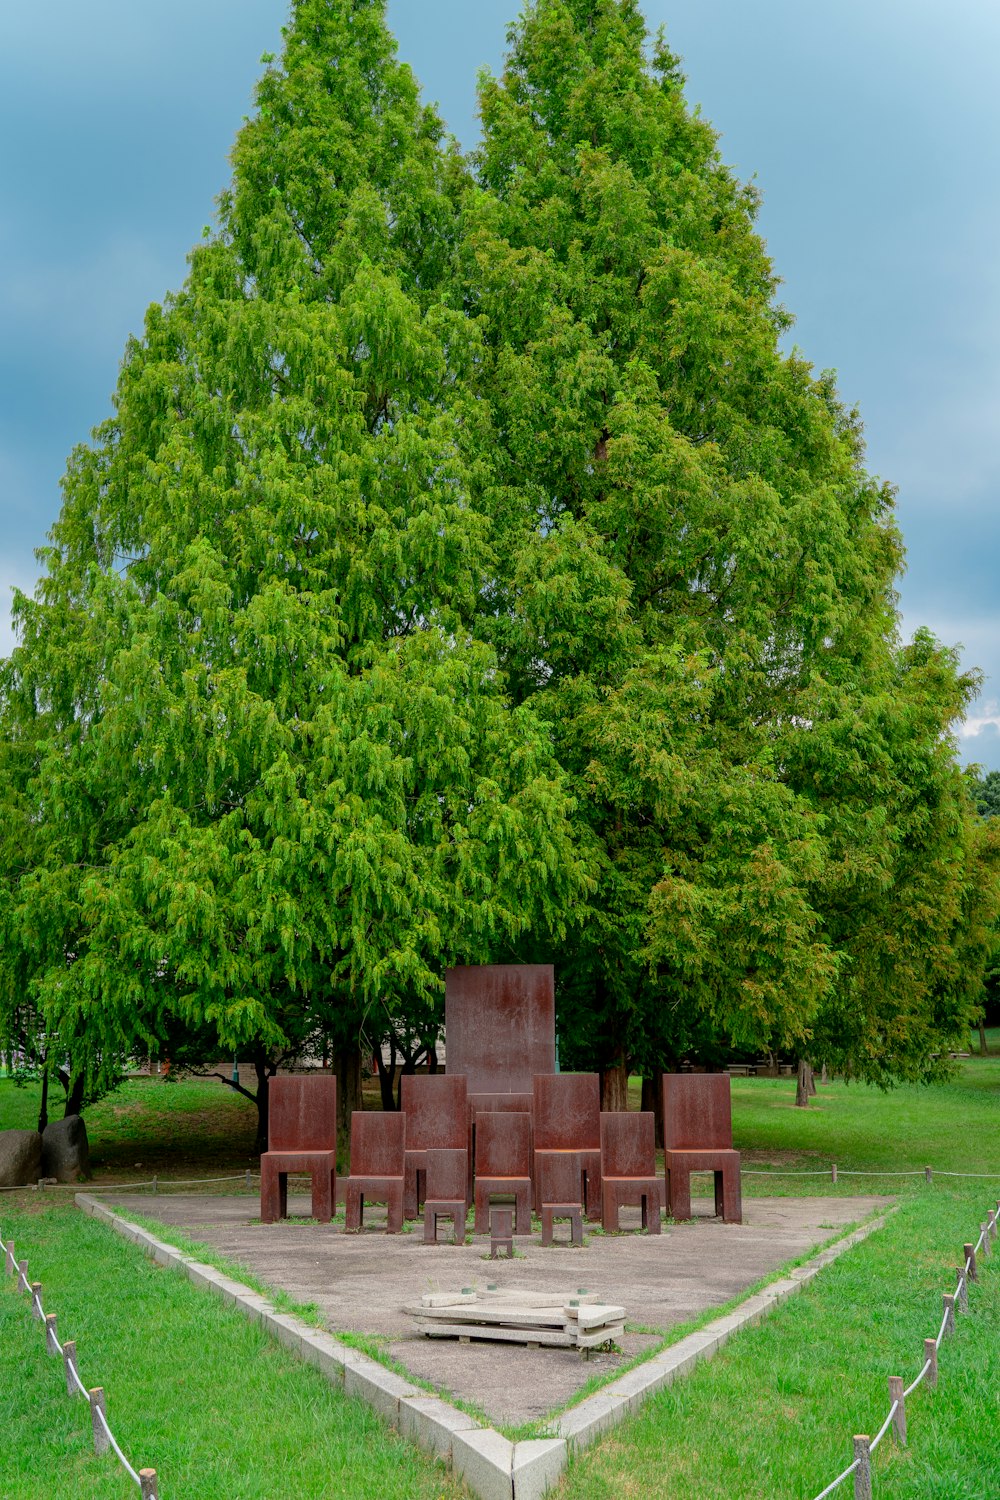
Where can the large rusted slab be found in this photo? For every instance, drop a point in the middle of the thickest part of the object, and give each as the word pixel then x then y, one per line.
pixel 301 1137
pixel 500 1025
pixel 436 1107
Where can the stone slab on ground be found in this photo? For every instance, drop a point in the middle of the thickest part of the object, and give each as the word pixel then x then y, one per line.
pixel 362 1282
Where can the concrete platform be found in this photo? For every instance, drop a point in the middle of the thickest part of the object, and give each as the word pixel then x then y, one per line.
pixel 360 1282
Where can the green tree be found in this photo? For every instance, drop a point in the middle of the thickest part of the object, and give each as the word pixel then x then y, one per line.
pixel 262 777
pixel 985 791
pixel 695 585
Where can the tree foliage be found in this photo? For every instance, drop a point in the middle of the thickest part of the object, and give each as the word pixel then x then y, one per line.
pixel 262 776
pixel 699 596
pixel 469 570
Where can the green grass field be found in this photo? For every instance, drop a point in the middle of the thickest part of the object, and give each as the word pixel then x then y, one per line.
pixel 211 1402
pixel 196 1393
pixel 772 1416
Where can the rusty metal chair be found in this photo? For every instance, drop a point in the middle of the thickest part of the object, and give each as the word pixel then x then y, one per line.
pixel 561 1185
pixel 698 1137
pixel 301 1137
pixel 377 1153
pixel 447 1174
pixel 437 1118
pixel 503 1166
pixel 628 1168
pixel 567 1120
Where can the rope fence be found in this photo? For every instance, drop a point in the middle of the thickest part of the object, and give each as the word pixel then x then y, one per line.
pixel 155 1183
pixel 957 1301
pixel 835 1173
pixel 104 1438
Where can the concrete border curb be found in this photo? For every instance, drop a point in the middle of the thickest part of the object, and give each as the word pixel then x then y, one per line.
pixel 493 1467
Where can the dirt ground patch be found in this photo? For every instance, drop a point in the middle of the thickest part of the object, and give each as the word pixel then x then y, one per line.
pixel 361 1283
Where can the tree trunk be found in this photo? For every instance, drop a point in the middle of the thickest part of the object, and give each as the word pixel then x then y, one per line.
pixel 614 1086
pixel 812 1082
pixel 261 1099
pixel 823 1078
pixel 386 1076
pixel 652 1100
pixel 74 1094
pixel 982 1036
pixel 348 1098
pixel 43 1108
pixel 432 1055
pixel 409 1067
pixel 802 1085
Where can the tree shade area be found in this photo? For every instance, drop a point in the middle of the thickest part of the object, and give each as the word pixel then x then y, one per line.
pixel 467 573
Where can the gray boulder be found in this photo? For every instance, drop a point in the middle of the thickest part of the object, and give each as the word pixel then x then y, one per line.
pixel 20 1157
pixel 66 1150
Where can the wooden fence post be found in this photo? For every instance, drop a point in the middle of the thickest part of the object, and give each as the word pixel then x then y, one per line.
pixel 928 1174
pixel 147 1484
pixel 984 1230
pixel 10 1265
pixel 101 1443
pixel 963 1291
pixel 833 1171
pixel 969 1255
pixel 69 1364
pixel 36 1301
pixel 899 1420
pixel 863 1473
pixel 930 1353
pixel 22 1276
pixel 51 1339
pixel 949 1313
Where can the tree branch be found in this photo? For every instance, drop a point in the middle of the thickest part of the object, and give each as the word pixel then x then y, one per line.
pixel 232 1084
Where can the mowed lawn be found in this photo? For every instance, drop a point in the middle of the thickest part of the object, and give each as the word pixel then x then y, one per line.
pixel 773 1415
pixel 190 1128
pixel 216 1406
pixel 220 1410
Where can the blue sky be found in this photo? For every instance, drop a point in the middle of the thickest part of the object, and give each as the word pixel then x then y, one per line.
pixel 872 128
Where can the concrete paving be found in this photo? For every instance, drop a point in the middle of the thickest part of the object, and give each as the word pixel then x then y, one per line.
pixel 361 1282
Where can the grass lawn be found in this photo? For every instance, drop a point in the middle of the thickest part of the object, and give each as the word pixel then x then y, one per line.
pixel 219 1409
pixel 192 1128
pixel 773 1415
pixel 199 1394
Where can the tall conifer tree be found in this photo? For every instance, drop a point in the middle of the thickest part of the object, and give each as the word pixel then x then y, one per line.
pixel 262 779
pixel 698 593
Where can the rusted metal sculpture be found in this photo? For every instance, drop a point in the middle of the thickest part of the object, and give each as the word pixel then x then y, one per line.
pixel 436 1107
pixel 500 1030
pixel 500 1026
pixel 503 1166
pixel 301 1137
pixel 447 1176
pixel 628 1168
pixel 567 1123
pixel 698 1137
pixel 378 1143
pixel 560 1192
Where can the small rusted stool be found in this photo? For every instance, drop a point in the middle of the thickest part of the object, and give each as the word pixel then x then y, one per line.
pixel 437 1210
pixel 571 1211
pixel 501 1232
